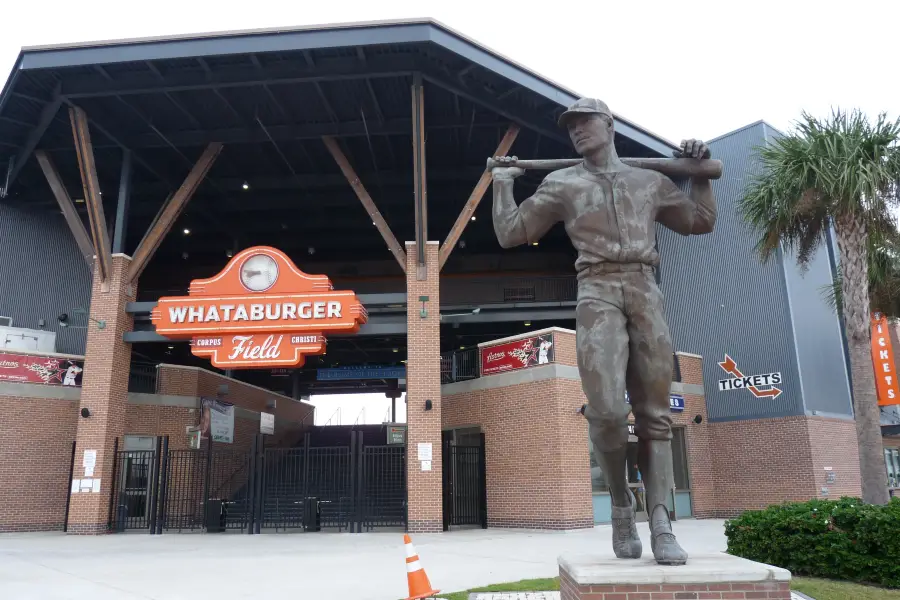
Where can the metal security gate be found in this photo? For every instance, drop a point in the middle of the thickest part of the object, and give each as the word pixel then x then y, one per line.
pixel 465 491
pixel 350 488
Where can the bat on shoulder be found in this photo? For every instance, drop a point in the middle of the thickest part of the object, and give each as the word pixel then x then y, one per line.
pixel 679 168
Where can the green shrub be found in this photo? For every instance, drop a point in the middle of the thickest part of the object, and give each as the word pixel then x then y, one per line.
pixel 835 539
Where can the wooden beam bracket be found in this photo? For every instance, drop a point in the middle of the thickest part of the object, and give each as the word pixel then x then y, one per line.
pixel 367 202
pixel 92 199
pixel 171 210
pixel 475 197
pixel 76 226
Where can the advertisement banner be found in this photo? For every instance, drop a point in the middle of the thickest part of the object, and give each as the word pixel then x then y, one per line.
pixel 217 420
pixel 883 361
pixel 519 354
pixel 27 368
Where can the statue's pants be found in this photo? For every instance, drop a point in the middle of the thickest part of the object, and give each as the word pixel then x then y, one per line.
pixel 623 339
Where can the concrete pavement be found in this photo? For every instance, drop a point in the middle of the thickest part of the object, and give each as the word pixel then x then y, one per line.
pixel 368 566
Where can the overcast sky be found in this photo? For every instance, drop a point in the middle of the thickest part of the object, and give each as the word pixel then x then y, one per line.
pixel 679 69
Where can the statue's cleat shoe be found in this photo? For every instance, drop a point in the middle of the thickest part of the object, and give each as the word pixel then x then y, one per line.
pixel 665 547
pixel 626 542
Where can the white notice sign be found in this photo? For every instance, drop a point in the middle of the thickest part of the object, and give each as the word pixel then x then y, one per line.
pixel 426 465
pixel 425 451
pixel 267 423
pixel 89 462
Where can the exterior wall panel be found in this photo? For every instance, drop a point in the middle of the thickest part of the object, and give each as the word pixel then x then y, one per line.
pixel 42 274
pixel 720 299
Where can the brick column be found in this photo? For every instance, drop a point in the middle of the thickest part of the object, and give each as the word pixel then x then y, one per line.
pixel 104 393
pixel 423 382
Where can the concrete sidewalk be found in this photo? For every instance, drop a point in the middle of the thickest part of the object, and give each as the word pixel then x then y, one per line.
pixel 368 566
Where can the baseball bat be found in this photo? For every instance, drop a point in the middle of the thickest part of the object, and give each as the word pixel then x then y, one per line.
pixel 705 168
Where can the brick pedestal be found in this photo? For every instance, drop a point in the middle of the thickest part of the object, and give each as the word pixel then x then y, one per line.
pixel 423 382
pixel 104 393
pixel 710 576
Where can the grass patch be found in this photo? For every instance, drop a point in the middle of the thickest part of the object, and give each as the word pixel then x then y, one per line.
pixel 526 585
pixel 820 589
pixel 824 589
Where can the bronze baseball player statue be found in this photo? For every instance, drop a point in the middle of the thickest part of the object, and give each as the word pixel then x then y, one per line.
pixel 610 211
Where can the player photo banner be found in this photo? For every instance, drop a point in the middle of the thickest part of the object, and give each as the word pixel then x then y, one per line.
pixel 46 370
pixel 518 354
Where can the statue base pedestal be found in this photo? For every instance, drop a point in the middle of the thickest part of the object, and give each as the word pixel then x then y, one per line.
pixel 709 576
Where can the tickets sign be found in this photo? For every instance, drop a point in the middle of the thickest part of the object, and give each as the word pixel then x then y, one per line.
pixel 259 311
pixel 883 361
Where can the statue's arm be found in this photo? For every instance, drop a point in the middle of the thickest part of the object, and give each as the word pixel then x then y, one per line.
pixel 687 215
pixel 529 221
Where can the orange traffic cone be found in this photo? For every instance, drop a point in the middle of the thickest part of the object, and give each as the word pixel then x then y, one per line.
pixel 419 586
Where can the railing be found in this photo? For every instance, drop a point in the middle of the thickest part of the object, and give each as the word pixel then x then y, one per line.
pixel 507 290
pixel 459 365
pixel 142 378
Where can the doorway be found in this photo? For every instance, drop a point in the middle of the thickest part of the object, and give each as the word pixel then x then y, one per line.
pixel 464 478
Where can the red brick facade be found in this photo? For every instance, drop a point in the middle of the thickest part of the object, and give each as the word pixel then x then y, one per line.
pixel 772 590
pixel 40 424
pixel 423 382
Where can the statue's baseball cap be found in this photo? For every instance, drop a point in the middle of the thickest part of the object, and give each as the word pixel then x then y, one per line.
pixel 590 106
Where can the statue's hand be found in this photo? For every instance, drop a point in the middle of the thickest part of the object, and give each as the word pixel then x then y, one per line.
pixel 504 171
pixel 692 149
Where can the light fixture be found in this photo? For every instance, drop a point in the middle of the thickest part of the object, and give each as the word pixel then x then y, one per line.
pixel 246 186
pixel 527 323
pixel 311 250
pixel 462 347
pixel 171 347
pixel 396 350
pixel 85 413
pixel 79 200
pixel 534 243
pixel 462 243
pixel 185 255
pixel 64 320
pixel 229 253
pixel 186 231
pixel 403 361
pixel 473 217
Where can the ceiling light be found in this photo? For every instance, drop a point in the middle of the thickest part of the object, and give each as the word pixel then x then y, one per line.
pixel 229 253
pixel 462 347
pixel 527 323
pixel 534 243
pixel 246 186
pixel 185 255
pixel 171 347
pixel 462 243
pixel 473 217
pixel 311 250
pixel 187 231
pixel 395 350
pixel 403 361
pixel 79 200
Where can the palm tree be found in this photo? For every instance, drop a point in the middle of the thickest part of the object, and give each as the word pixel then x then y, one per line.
pixel 842 171
pixel 884 276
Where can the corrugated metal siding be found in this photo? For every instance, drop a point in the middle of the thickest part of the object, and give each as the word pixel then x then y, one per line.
pixel 42 274
pixel 720 299
pixel 817 332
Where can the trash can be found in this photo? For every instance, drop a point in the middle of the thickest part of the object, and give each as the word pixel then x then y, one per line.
pixel 214 521
pixel 312 516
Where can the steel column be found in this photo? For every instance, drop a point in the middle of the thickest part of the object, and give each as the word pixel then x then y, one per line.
pixel 122 205
pixel 420 187
pixel 47 115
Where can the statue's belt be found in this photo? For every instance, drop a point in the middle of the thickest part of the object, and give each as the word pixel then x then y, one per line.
pixel 611 267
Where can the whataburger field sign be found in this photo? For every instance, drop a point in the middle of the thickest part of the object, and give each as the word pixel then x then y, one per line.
pixel 260 311
pixel 752 384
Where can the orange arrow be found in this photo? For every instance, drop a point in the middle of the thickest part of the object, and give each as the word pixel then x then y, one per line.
pixel 729 366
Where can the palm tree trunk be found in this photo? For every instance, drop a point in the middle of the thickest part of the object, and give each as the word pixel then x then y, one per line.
pixel 851 234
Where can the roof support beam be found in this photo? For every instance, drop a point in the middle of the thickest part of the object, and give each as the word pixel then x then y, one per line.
pixel 85 153
pixel 475 197
pixel 48 113
pixel 170 211
pixel 66 206
pixel 398 251
pixel 420 183
pixel 122 204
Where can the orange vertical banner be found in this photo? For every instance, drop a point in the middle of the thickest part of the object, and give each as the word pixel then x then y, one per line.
pixel 883 360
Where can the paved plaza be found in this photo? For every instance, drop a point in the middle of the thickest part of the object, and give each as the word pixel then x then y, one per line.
pixel 368 566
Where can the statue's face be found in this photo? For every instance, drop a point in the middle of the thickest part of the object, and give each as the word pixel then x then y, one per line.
pixel 589 132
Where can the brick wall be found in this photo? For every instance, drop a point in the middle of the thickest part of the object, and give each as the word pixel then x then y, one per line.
pixel 36 446
pixel 423 382
pixel 833 444
pixel 698 442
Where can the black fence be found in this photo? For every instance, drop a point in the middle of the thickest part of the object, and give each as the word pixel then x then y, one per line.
pixel 306 488
pixel 465 485
pixel 142 378
pixel 459 365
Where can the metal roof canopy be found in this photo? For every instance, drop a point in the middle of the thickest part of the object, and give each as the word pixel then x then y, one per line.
pixel 269 96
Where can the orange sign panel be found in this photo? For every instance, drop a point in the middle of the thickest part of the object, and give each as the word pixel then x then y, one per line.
pixel 259 311
pixel 883 360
